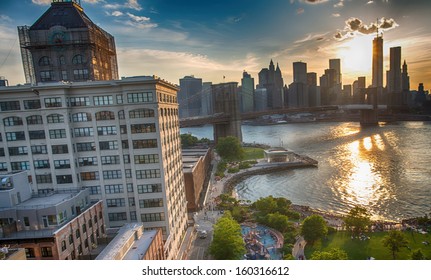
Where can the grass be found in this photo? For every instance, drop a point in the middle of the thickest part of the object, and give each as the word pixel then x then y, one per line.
pixel 361 250
pixel 251 153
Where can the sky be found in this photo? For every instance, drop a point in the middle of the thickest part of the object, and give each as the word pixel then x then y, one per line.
pixel 218 40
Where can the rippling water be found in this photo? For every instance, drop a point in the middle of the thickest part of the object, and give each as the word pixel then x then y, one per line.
pixel 386 169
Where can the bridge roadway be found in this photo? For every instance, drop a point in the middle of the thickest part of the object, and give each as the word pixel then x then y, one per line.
pixel 220 118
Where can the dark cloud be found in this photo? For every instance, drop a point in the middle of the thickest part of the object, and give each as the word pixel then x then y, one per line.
pixel 356 26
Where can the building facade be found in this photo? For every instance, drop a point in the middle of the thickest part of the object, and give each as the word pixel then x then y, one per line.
pixel 65 45
pixel 190 97
pixel 119 139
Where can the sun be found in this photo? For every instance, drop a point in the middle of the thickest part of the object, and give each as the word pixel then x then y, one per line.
pixel 356 56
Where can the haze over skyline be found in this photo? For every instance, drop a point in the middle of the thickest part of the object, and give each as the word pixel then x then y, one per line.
pixel 172 39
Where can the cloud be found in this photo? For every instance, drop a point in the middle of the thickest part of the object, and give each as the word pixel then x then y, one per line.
pixel 138 18
pixel 130 4
pixel 314 1
pixel 339 4
pixel 234 19
pixel 311 37
pixel 5 18
pixel 300 11
pixel 356 26
pixel 336 15
pixel 370 2
pixel 116 13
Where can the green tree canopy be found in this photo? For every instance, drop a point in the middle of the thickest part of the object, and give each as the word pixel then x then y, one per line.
pixel 229 148
pixel 313 228
pixel 357 220
pixel 278 221
pixel 395 241
pixel 333 254
pixel 188 140
pixel 227 241
pixel 418 255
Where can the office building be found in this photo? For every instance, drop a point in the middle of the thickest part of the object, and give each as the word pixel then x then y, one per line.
pixel 247 92
pixel 271 79
pixel 62 224
pixel 190 97
pixel 336 65
pixel 377 79
pixel 206 100
pixel 65 45
pixel 119 139
pixel 393 78
pixel 300 72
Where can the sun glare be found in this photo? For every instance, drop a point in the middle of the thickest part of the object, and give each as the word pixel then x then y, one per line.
pixel 356 56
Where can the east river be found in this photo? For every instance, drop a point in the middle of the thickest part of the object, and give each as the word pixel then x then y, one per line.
pixel 386 169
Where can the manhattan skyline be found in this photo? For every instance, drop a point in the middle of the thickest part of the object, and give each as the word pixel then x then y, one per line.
pixel 214 40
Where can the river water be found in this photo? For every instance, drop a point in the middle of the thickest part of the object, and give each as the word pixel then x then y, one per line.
pixel 386 169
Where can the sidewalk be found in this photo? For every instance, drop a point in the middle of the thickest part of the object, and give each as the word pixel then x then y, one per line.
pixel 298 248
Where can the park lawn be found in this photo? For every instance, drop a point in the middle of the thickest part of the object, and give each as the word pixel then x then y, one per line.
pixel 251 153
pixel 373 247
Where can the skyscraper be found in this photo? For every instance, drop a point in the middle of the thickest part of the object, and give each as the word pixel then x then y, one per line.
pixel 300 72
pixel 393 78
pixel 190 96
pixel 271 79
pixel 247 92
pixel 377 80
pixel 405 84
pixel 298 90
pixel 336 65
pixel 64 44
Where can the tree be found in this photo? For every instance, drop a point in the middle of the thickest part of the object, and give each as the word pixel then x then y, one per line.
pixel 333 254
pixel 229 148
pixel 188 140
pixel 278 221
pixel 313 228
pixel 418 255
pixel 227 241
pixel 394 241
pixel 358 220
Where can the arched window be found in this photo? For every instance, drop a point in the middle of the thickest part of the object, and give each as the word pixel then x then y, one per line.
pixel 81 117
pixel 12 121
pixel 141 113
pixel 44 61
pixel 55 118
pixel 105 115
pixel 35 119
pixel 78 59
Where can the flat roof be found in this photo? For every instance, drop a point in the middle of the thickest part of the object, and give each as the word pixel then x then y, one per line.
pixel 140 246
pixel 46 201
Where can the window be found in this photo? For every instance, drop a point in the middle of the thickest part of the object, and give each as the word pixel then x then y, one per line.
pixel 78 59
pixel 10 106
pixel 2 154
pixel 105 115
pixel 46 76
pixel 57 133
pixel 129 187
pixel 84 228
pixel 83 131
pixel 87 161
pixel 125 144
pixel 143 128
pixel 62 60
pixel 53 102
pixel 60 149
pixel 77 233
pixel 108 145
pixel 121 115
pixel 39 150
pixel 79 101
pixel 126 159
pixel 36 134
pixel 150 188
pixel 46 252
pixel 18 151
pixel 41 164
pixel 15 136
pixel 107 160
pixel 85 147
pixel 140 97
pixel 32 104
pixel 12 121
pixel 144 144
pixel 119 99
pixel 131 201
pixel 114 189
pixel 133 216
pixel 64 75
pixel 151 203
pixel 20 165
pixel 26 221
pixel 35 119
pixel 122 216
pixel 123 129
pixel 29 253
pixel 44 61
pixel 89 176
pixel 63 245
pixel 80 74
pixel 95 190
pixel 115 202
pixel 3 166
pixel 81 117
pixel 128 173
pixel 62 164
pixel 70 239
pixel 103 100
pixel 64 179
pixel 146 174
pixel 55 118
pixel 152 217
pixel 112 174
pixel 106 130
pixel 44 179
pixel 146 159
pixel 141 113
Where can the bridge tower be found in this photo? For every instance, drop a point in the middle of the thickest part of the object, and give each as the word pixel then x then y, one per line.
pixel 370 117
pixel 226 100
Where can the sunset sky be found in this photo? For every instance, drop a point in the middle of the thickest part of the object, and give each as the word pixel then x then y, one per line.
pixel 212 39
